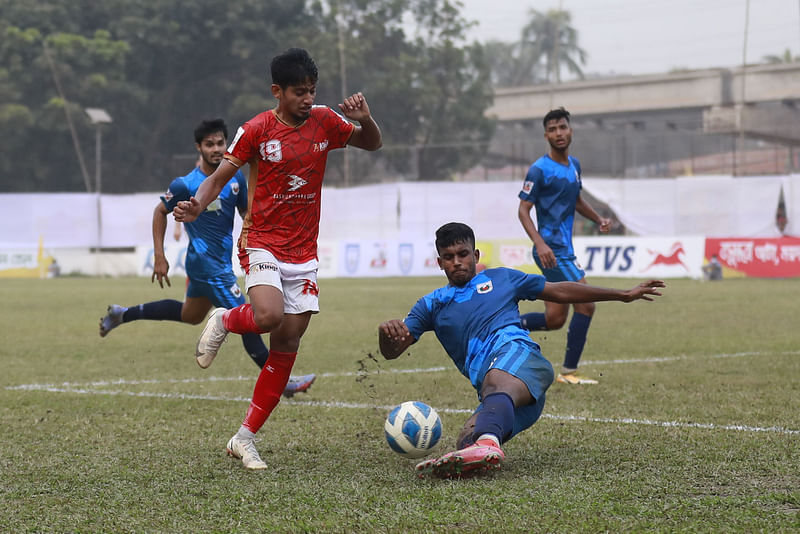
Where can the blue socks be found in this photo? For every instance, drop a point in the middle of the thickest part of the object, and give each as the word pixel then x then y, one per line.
pixel 255 347
pixel 160 310
pixel 496 417
pixel 533 321
pixel 576 339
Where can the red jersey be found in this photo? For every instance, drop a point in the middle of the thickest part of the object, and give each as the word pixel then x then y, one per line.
pixel 284 188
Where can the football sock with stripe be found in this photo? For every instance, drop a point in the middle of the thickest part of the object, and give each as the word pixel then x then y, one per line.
pixel 269 387
pixel 533 321
pixel 576 339
pixel 160 310
pixel 496 417
pixel 241 320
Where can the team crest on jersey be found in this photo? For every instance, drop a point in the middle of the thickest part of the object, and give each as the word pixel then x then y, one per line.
pixel 484 288
pixel 295 182
pixel 271 150
pixel 321 147
pixel 527 187
pixel 235 188
pixel 168 195
pixel 235 291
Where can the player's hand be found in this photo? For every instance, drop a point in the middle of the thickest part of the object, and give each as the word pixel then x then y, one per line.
pixel 160 270
pixel 187 210
pixel 355 107
pixel 546 256
pixel 604 225
pixel 395 329
pixel 644 290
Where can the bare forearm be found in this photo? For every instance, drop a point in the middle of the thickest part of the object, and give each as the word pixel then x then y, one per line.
pixel 527 224
pixel 568 292
pixel 159 230
pixel 587 211
pixel 371 137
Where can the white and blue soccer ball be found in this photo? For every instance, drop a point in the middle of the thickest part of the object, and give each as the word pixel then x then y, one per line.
pixel 412 429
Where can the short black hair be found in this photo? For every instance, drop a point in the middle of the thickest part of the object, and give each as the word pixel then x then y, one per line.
pixel 293 67
pixel 453 233
pixel 555 115
pixel 209 127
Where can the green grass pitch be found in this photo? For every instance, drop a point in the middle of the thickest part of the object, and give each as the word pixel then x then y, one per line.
pixel 695 425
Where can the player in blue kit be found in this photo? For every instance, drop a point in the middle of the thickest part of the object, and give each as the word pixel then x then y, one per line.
pixel 553 187
pixel 211 280
pixel 476 319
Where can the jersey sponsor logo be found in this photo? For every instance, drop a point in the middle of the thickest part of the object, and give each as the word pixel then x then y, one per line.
pixel 527 187
pixel 295 182
pixel 321 147
pixel 271 150
pixel 239 134
pixel 309 287
pixel 484 288
pixel 215 205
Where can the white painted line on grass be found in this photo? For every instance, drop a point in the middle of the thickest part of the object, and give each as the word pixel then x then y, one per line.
pixel 355 405
pixel 686 357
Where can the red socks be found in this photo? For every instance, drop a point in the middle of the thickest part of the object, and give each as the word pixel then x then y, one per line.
pixel 269 387
pixel 241 320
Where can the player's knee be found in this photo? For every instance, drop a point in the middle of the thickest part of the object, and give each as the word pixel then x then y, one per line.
pixel 268 320
pixel 555 321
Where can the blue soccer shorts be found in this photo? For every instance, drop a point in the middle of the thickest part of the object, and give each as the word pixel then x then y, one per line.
pixel 523 359
pixel 567 269
pixel 223 291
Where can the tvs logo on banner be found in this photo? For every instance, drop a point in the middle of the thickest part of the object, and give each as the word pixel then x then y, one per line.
pixel 672 257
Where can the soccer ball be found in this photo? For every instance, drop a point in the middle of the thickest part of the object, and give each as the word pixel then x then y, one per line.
pixel 412 429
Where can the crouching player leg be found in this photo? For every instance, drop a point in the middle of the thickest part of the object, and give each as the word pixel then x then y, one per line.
pixel 511 386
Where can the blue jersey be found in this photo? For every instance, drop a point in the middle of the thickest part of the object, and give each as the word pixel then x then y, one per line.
pixel 553 189
pixel 474 320
pixel 210 240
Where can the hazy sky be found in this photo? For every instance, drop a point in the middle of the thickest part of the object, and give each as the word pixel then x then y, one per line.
pixel 653 36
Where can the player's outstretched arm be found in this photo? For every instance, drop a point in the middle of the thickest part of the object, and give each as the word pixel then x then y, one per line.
pixel 568 292
pixel 367 135
pixel 394 338
pixel 190 210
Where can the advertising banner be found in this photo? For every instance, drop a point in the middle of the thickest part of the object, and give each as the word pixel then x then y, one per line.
pixel 758 257
pixel 374 258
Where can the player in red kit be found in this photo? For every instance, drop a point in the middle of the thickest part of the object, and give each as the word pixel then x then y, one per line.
pixel 287 149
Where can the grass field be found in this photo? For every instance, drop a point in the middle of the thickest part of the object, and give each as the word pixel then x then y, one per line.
pixel 695 426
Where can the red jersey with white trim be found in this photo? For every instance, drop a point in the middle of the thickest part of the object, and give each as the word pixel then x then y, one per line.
pixel 284 188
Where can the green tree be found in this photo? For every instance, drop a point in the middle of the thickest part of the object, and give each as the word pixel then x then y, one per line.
pixel 786 57
pixel 549 38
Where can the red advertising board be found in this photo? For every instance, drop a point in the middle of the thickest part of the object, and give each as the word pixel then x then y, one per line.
pixel 758 257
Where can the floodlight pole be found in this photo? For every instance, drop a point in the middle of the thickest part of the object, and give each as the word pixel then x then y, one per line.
pixel 98 117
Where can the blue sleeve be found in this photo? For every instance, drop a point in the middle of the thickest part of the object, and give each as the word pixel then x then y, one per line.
pixel 528 286
pixel 176 192
pixel 532 183
pixel 420 318
pixel 241 200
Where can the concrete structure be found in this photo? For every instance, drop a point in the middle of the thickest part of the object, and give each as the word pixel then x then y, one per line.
pixel 640 125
